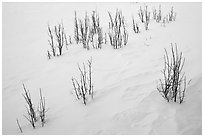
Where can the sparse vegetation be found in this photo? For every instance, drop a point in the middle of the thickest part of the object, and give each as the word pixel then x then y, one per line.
pixel 147 18
pixel 84 86
pixel 141 14
pixel 118 34
pixel 84 32
pixel 144 16
pixel 76 28
pixel 32 115
pixel 89 31
pixel 51 41
pixel 159 15
pixel 60 37
pixel 172 15
pixel 41 109
pixel 135 26
pixel 30 109
pixel 61 40
pixel 173 86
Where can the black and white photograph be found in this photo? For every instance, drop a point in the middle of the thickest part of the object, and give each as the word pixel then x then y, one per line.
pixel 102 68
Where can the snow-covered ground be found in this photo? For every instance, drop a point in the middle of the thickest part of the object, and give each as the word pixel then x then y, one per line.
pixel 126 100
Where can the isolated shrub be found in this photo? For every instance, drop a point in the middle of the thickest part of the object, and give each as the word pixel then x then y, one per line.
pixel 173 86
pixel 84 86
pixel 30 109
pixel 51 41
pixel 41 109
pixel 60 34
pixel 118 34
pixel 32 115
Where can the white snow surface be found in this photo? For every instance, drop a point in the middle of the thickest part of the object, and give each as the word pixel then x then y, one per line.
pixel 126 100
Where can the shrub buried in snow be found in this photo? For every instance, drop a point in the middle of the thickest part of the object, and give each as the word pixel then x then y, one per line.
pixel 89 31
pixel 32 115
pixel 173 86
pixel 41 109
pixel 118 34
pixel 30 109
pixel 84 86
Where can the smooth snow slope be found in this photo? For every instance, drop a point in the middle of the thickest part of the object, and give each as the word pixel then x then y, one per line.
pixel 126 100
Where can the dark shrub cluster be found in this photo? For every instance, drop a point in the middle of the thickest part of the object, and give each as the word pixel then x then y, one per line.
pixel 84 86
pixel 32 113
pixel 173 85
pixel 118 34
pixel 88 31
pixel 57 40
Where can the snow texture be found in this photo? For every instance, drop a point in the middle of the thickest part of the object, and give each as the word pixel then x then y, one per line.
pixel 126 100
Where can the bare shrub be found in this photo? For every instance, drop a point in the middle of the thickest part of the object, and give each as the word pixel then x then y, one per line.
pixel 147 18
pixel 144 15
pixel 88 31
pixel 84 86
pixel 51 41
pixel 172 15
pixel 41 109
pixel 76 28
pixel 159 16
pixel 95 21
pixel 84 32
pixel 96 34
pixel 135 26
pixel 141 15
pixel 173 86
pixel 60 34
pixel 117 31
pixel 30 109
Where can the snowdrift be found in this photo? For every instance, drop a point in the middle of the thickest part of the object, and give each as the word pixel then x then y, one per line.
pixel 126 100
